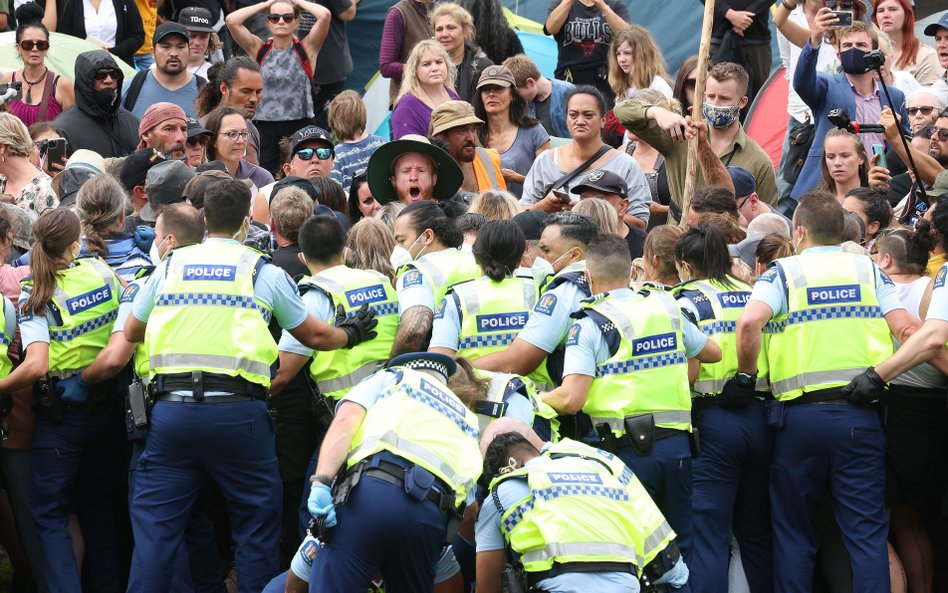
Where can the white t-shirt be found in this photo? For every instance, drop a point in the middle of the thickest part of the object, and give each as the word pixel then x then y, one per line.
pixel 101 24
pixel 826 62
pixel 200 70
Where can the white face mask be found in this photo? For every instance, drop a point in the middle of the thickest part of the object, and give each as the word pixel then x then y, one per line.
pixel 541 270
pixel 154 253
pixel 399 257
pixel 467 248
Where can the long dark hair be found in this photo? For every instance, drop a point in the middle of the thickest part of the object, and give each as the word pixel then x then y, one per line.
pixel 55 230
pixel 358 180
pixel 679 92
pixel 517 112
pixel 209 97
pixel 705 250
pixel 492 31
pixel 213 126
pixel 498 248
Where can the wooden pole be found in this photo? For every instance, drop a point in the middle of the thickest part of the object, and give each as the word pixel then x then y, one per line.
pixel 704 58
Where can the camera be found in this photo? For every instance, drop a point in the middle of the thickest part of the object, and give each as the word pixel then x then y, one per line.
pixel 843 10
pixel 874 59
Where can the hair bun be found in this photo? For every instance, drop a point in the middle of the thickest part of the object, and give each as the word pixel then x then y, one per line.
pixel 29 13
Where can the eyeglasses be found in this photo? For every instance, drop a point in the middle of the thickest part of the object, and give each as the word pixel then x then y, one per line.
pixel 233 135
pixel 941 133
pixel 306 154
pixel 29 45
pixel 926 110
pixel 107 73
pixel 690 83
pixel 744 201
pixel 286 18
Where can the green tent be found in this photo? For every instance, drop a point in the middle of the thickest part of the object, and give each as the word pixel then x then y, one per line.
pixel 61 58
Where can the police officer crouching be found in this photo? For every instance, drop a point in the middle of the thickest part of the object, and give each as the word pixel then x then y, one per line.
pixel 400 458
pixel 205 313
pixel 626 366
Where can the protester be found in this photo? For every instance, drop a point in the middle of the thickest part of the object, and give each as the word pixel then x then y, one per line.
pixel 428 81
pixel 454 30
pixel 347 117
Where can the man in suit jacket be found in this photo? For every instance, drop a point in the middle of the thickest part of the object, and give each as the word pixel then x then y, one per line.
pixel 854 90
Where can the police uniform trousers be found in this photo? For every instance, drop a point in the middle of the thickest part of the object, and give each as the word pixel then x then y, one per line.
pixel 842 448
pixel 231 443
pixel 381 527
pixel 74 462
pixel 197 565
pixel 730 494
pixel 666 475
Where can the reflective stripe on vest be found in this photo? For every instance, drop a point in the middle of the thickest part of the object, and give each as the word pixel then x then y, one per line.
pixel 217 361
pixel 488 164
pixel 348 381
pixel 551 551
pixel 804 379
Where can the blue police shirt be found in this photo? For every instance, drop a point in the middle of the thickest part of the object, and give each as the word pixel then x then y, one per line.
pixel 489 537
pixel 273 287
pixel 319 306
pixel 770 290
pixel 413 288
pixel 587 347
pixel 550 319
pixel 938 307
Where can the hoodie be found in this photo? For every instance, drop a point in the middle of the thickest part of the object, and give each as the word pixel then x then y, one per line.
pixel 109 132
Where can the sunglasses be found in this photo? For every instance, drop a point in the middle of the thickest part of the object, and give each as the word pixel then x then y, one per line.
pixel 941 133
pixel 833 5
pixel 195 141
pixel 29 45
pixel 690 83
pixel 926 110
pixel 107 73
pixel 306 154
pixel 286 18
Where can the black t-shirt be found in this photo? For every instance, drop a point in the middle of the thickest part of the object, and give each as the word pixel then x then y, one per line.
pixel 286 258
pixel 583 41
pixel 335 61
pixel 636 241
pixel 542 114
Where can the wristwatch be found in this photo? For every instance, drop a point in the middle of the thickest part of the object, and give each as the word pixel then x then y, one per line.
pixel 745 379
pixel 322 480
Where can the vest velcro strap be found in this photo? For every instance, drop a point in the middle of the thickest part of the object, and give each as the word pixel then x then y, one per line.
pixel 567 567
pixel 65 335
pixel 347 381
pixel 557 550
pixel 669 417
pixel 643 363
pixel 492 409
pixel 210 361
pixel 487 341
pixel 201 299
pixel 841 376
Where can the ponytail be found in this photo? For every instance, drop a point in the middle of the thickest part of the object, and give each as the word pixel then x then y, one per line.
pixel 704 249
pixel 100 205
pixel 465 383
pixel 55 231
pixel 498 248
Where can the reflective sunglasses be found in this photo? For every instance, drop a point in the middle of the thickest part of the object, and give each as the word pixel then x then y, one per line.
pixel 107 73
pixel 306 154
pixel 29 45
pixel 941 133
pixel 926 110
pixel 287 18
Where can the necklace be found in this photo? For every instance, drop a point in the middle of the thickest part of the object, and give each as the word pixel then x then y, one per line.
pixel 31 83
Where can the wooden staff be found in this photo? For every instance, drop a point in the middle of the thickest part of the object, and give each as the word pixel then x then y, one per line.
pixel 704 56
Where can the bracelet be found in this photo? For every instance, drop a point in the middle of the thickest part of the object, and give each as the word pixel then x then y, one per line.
pixel 326 480
pixel 787 6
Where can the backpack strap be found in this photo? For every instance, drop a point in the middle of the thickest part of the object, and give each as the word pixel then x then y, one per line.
pixel 297 47
pixel 131 97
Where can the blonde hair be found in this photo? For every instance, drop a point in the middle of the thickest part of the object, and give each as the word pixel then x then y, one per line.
pixel 601 213
pixel 660 243
pixel 410 83
pixel 14 135
pixel 100 205
pixel 370 243
pixel 658 99
pixel 648 61
pixel 457 12
pixel 289 209
pixel 495 204
pixel 347 115
pixel 388 213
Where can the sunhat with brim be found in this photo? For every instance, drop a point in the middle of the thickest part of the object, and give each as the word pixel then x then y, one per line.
pixel 380 166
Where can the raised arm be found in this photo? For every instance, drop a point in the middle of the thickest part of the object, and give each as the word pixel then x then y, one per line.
pixel 247 41
pixel 314 40
pixel 794 33
pixel 557 17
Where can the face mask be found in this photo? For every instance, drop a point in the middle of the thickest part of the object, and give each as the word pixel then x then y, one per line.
pixel 106 99
pixel 720 116
pixel 467 248
pixel 541 270
pixel 154 253
pixel 853 61
pixel 415 242
pixel 399 257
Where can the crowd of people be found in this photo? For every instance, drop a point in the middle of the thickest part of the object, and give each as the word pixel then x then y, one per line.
pixel 248 345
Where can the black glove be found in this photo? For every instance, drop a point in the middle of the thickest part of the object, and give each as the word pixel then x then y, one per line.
pixel 738 392
pixel 6 404
pixel 358 327
pixel 866 388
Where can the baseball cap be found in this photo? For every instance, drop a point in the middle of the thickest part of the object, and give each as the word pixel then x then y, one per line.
pixel 746 249
pixel 452 114
pixel 531 222
pixel 942 23
pixel 601 180
pixel 195 18
pixel 136 166
pixel 164 184
pixel 168 28
pixel 195 128
pixel 83 159
pixel 21 225
pixel 743 180
pixel 310 134
pixel 941 184
pixel 497 75
pixel 294 181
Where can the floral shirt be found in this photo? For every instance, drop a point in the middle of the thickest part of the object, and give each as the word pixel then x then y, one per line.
pixel 38 195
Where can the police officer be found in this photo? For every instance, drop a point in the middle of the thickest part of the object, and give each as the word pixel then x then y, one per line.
pixel 559 274
pixel 68 305
pixel 205 311
pixel 835 312
pixel 407 449
pixel 322 242
pixel 572 519
pixel 626 367
pixel 730 476
pixel 428 263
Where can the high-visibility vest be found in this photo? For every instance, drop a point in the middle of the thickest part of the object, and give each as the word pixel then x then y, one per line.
pixel 337 371
pixel 501 388
pixel 487 169
pixel 444 269
pixel 87 299
pixel 577 511
pixel 206 317
pixel 420 420
pixel 648 374
pixel 833 328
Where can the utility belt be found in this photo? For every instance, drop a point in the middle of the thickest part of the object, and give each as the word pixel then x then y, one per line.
pixel 832 396
pixel 576 567
pixel 641 435
pixel 417 482
pixel 199 383
pixel 702 402
pixel 138 404
pixel 53 406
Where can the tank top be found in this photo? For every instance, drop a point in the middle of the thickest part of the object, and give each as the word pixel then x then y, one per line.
pixel 48 107
pixel 281 69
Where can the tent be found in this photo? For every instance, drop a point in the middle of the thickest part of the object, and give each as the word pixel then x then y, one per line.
pixel 766 120
pixel 61 58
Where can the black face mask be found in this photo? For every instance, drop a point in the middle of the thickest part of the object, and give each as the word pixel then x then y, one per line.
pixel 853 61
pixel 106 99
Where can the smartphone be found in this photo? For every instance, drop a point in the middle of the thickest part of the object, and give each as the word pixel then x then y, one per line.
pixel 562 195
pixel 878 149
pixel 843 11
pixel 55 150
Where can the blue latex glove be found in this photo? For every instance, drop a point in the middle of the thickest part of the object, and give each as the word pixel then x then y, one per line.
pixel 74 390
pixel 320 504
pixel 143 238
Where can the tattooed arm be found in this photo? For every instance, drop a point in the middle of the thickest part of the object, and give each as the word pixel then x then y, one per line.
pixel 414 330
